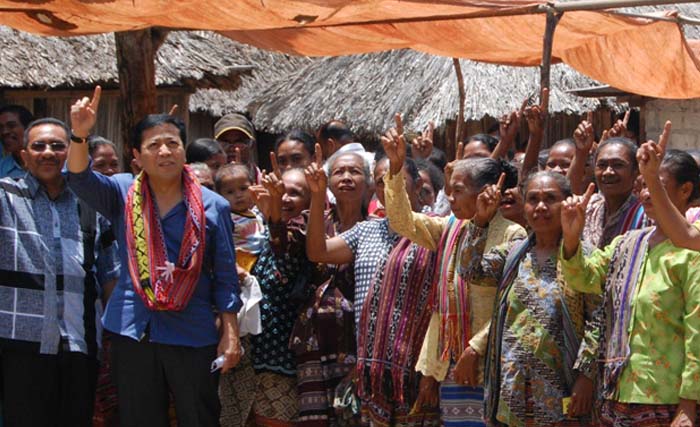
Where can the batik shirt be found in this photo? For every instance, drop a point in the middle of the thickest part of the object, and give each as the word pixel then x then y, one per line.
pixel 664 329
pixel 533 372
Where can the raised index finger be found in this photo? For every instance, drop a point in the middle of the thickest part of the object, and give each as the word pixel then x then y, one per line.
pixel 96 98
pixel 665 136
pixel 626 119
pixel 588 195
pixel 589 117
pixel 460 151
pixel 501 181
pixel 399 124
pixel 318 154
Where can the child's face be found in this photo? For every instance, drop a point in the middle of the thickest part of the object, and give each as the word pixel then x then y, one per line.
pixel 234 188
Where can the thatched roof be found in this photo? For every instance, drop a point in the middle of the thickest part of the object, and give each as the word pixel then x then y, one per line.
pixel 195 59
pixel 366 90
pixel 270 68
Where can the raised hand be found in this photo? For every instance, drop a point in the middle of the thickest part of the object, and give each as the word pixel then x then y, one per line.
pixel 488 201
pixel 275 187
pixel 583 135
pixel 422 145
pixel 509 126
pixel 573 219
pixel 316 179
pixel 395 146
pixel 650 154
pixel 262 199
pixel 273 184
pixel 83 114
pixel 620 127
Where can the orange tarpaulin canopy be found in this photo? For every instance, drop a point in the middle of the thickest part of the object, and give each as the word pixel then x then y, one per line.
pixel 642 56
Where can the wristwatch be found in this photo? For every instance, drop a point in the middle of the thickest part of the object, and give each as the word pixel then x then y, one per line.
pixel 77 139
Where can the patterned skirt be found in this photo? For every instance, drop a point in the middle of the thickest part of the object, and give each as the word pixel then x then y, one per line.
pixel 237 390
pixel 399 415
pixel 460 405
pixel 617 414
pixel 318 377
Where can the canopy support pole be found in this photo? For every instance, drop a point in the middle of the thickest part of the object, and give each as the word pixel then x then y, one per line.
pixel 546 67
pixel 136 53
pixel 459 130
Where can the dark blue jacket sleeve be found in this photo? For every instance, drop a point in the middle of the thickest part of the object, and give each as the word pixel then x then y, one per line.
pixel 225 286
pixel 100 192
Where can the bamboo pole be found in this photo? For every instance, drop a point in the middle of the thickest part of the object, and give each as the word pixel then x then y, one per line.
pixel 459 130
pixel 558 6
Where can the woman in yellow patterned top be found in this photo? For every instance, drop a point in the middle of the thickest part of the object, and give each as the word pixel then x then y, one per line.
pixel 458 331
pixel 649 373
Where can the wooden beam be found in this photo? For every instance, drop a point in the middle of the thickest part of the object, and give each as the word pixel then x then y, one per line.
pixel 546 67
pixel 136 53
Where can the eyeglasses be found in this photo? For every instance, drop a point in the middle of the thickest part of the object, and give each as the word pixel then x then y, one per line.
pixel 242 142
pixel 56 147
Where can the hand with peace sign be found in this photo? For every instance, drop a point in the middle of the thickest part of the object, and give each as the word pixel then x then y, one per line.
pixel 488 201
pixel 573 219
pixel 422 145
pixel 261 197
pixel 315 175
pixel 83 114
pixel 395 146
pixel 275 187
pixel 650 154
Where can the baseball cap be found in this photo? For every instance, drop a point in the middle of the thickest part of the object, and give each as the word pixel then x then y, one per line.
pixel 234 121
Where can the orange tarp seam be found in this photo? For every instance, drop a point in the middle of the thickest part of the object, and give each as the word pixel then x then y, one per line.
pixel 642 56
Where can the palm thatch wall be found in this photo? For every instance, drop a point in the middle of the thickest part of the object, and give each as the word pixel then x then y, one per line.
pixel 46 74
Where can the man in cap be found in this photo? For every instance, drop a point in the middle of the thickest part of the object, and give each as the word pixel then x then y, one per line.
pixel 236 134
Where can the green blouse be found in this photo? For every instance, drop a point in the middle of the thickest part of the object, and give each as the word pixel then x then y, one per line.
pixel 664 330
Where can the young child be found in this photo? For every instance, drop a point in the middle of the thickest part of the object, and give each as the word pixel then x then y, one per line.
pixel 233 182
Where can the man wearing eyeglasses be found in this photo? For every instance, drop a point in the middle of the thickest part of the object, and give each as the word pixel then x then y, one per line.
pixel 236 134
pixel 54 258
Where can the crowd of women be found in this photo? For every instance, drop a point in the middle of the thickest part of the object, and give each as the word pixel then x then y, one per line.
pixel 553 287
pixel 546 288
